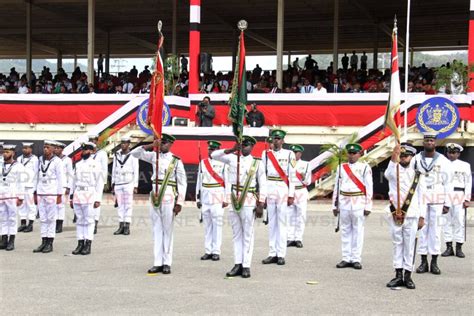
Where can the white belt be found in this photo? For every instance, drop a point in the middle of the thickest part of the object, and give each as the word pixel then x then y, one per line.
pixel 79 188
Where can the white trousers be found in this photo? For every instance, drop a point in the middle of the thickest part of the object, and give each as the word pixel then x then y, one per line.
pixel 277 227
pixel 352 234
pixel 27 210
pixel 297 214
pixel 212 217
pixel 243 235
pixel 47 210
pixel 97 213
pixel 84 221
pixel 454 224
pixel 8 214
pixel 162 220
pixel 124 196
pixel 403 240
pixel 430 234
pixel 61 208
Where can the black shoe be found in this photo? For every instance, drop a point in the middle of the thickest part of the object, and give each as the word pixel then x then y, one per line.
pixel 206 257
pixel 398 280
pixel 270 260
pixel 29 228
pixel 11 243
pixel 216 257
pixel 155 269
pixel 119 231
pixel 22 225
pixel 95 227
pixel 423 268
pixel 4 242
pixel 166 269
pixel 357 265
pixel 449 250
pixel 434 265
pixel 290 243
pixel 459 252
pixel 246 273
pixel 44 241
pixel 74 219
pixel 344 264
pixel 236 270
pixel 49 245
pixel 281 261
pixel 80 245
pixel 86 250
pixel 59 226
pixel 298 244
pixel 126 228
pixel 408 281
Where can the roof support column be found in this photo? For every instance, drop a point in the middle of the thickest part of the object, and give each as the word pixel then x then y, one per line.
pixel 90 40
pixel 280 35
pixel 173 27
pixel 107 52
pixel 335 38
pixel 28 42
pixel 194 44
pixel 59 63
pixel 376 47
pixel 470 49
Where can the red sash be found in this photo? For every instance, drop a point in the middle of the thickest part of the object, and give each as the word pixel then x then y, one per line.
pixel 354 179
pixel 213 173
pixel 277 167
pixel 300 177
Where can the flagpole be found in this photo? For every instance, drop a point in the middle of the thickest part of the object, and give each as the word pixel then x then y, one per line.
pixel 407 72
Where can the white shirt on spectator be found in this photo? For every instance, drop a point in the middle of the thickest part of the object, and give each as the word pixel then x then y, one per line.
pixel 127 87
pixel 23 90
pixel 320 91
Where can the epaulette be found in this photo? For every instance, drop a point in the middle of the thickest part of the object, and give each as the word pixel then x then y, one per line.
pixel 174 156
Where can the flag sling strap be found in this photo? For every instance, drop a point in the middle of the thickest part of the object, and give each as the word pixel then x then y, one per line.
pixel 213 174
pixel 157 201
pixel 354 179
pixel 239 203
pixel 277 167
pixel 411 192
pixel 300 177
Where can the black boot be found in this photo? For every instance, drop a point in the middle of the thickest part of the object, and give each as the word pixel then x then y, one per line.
pixel 119 231
pixel 86 250
pixel 270 260
pixel 4 242
pixel 126 228
pixel 49 245
pixel 449 250
pixel 408 281
pixel 29 228
pixel 424 265
pixel 246 273
pixel 22 225
pixel 459 252
pixel 80 245
pixel 398 280
pixel 59 226
pixel 236 270
pixel 11 243
pixel 166 269
pixel 95 227
pixel 44 241
pixel 434 265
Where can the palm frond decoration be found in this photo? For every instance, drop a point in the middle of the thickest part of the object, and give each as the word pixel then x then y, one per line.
pixel 103 138
pixel 339 153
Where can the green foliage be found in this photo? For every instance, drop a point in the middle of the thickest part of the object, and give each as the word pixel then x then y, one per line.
pixel 458 74
pixel 339 154
pixel 171 69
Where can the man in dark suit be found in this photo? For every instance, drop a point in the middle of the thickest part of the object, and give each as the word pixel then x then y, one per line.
pixel 335 87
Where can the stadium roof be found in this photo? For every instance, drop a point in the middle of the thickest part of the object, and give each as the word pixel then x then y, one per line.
pixel 62 25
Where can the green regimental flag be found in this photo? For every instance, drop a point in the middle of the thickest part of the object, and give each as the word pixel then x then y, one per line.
pixel 238 96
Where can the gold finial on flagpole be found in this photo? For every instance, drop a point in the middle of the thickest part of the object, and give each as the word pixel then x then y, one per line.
pixel 159 26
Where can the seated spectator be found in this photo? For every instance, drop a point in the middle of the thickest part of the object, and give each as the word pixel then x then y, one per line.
pixel 319 88
pixel 335 87
pixel 307 88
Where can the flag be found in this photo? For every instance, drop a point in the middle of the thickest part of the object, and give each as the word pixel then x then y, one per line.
pixel 157 94
pixel 392 113
pixel 238 96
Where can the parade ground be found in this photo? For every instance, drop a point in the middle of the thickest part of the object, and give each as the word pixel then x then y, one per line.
pixel 113 279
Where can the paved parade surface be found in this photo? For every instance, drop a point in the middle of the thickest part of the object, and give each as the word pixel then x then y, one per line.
pixel 113 279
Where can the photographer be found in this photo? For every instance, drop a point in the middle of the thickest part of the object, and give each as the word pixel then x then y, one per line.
pixel 205 113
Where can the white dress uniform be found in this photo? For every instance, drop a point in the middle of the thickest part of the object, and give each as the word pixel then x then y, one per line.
pixel 462 183
pixel 87 188
pixel 103 160
pixel 28 209
pixel 298 209
pixel 163 217
pixel 12 188
pixel 403 236
pixel 125 176
pixel 436 189
pixel 67 184
pixel 212 195
pixel 48 187
pixel 352 203
pixel 243 221
pixel 277 199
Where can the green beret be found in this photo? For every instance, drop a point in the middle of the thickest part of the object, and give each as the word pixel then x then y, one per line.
pixel 353 148
pixel 168 138
pixel 296 148
pixel 278 133
pixel 214 144
pixel 246 140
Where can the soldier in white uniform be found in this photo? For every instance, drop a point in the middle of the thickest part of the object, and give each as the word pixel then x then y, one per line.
pixel 48 194
pixel 1 154
pixel 298 209
pixel 28 209
pixel 125 177
pixel 455 219
pixel 280 171
pixel 101 156
pixel 436 190
pixel 404 222
pixel 210 197
pixel 246 204
pixel 355 189
pixel 67 183
pixel 165 203
pixel 86 195
pixel 12 193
